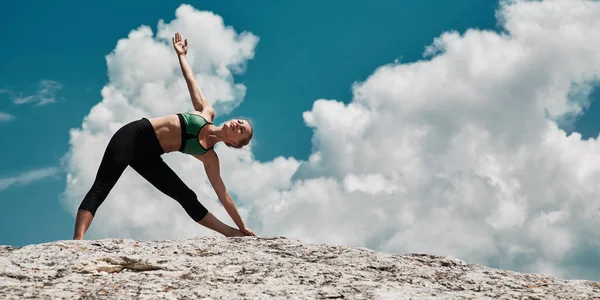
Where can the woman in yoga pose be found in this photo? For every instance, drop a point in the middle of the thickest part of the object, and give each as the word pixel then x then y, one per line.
pixel 141 143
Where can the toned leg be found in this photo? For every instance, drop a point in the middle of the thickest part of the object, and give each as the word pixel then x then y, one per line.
pixel 82 223
pixel 161 176
pixel 211 222
pixel 116 157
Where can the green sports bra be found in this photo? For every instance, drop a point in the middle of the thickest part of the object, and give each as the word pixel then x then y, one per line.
pixel 191 124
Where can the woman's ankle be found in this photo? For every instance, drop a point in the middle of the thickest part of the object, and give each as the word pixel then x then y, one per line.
pixel 82 223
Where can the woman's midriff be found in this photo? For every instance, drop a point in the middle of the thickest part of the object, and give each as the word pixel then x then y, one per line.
pixel 168 132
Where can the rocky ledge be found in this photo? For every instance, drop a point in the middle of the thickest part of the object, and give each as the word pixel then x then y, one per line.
pixel 257 268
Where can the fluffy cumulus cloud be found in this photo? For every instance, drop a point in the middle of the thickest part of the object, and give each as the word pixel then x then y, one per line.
pixel 145 80
pixel 459 154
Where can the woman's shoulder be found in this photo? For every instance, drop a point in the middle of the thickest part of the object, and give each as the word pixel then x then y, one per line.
pixel 209 116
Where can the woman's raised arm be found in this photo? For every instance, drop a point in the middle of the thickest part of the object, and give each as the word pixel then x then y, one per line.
pixel 198 100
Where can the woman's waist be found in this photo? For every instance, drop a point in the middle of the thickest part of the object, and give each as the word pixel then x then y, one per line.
pixel 168 131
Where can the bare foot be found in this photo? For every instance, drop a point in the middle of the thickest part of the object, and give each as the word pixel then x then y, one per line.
pixel 236 232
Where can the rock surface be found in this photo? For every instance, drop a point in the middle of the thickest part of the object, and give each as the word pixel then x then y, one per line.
pixel 257 268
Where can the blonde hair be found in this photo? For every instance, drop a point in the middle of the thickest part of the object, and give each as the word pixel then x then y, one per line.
pixel 245 141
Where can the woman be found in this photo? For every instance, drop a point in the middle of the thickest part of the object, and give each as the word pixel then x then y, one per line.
pixel 141 143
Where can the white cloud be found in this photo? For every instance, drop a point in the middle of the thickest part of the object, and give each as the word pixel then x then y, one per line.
pixel 450 155
pixel 27 177
pixel 144 81
pixel 466 161
pixel 5 117
pixel 45 94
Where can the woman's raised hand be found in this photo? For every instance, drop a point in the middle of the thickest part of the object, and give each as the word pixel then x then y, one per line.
pixel 180 45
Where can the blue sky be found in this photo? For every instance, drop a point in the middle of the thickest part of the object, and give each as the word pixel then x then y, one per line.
pixel 308 50
pixel 304 54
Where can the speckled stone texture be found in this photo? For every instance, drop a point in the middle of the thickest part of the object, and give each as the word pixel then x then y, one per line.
pixel 257 268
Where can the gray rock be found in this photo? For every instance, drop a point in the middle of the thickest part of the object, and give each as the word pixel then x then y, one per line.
pixel 257 268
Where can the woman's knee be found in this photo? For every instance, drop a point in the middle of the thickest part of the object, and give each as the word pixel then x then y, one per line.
pixel 95 196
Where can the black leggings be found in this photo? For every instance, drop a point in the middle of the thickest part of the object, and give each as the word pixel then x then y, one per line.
pixel 135 144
